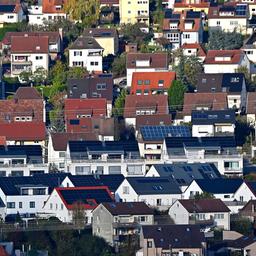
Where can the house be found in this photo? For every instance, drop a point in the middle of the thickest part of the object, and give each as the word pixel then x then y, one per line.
pixel 203 101
pixel 208 211
pixel 54 40
pixel 115 221
pixel 183 28
pixel 104 157
pixel 86 52
pixel 145 62
pixel 27 195
pixel 137 105
pixel 29 53
pixel 134 11
pixel 251 108
pixel 229 17
pixel 21 160
pixel 213 123
pixel 11 12
pixel 169 239
pixel 109 3
pixel 184 173
pixel 222 151
pixel 57 147
pixel 150 138
pixel 28 111
pixel 46 11
pixel 249 210
pixel 107 38
pixel 187 5
pixel 194 49
pixel 225 61
pixel 150 83
pixel 160 192
pixel 249 47
pixel 63 203
pixel 232 84
pixel 228 190
pixel 93 86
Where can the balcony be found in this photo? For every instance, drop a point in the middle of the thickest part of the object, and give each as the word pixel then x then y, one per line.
pixel 193 221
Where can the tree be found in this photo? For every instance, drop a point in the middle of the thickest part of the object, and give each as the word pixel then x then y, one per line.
pixel 245 71
pixel 176 95
pixel 39 76
pixel 220 40
pixel 241 225
pixel 58 73
pixel 25 77
pixel 76 73
pixel 85 11
pixel 78 214
pixel 204 195
pixel 118 109
pixel 119 65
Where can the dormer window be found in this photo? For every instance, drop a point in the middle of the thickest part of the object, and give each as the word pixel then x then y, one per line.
pixel 234 79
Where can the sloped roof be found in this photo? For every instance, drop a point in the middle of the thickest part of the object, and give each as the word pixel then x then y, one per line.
pixel 142 120
pixel 234 55
pixel 200 51
pixel 251 103
pixel 85 42
pixel 27 93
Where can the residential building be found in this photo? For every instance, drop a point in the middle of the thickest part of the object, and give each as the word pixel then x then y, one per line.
pixel 183 28
pixel 11 12
pixel 57 147
pixel 194 49
pixel 29 53
pixel 150 138
pixel 233 84
pixel 145 62
pixel 86 52
pixel 109 3
pixel 46 11
pixel 184 173
pixel 203 101
pixel 228 190
pixel 54 40
pixel 249 47
pixel 64 202
pixel 225 61
pixel 137 105
pixel 93 86
pixel 229 17
pixel 160 192
pixel 213 123
pixel 169 239
pixel 115 221
pixel 249 210
pixel 27 195
pixel 195 5
pixel 107 38
pixel 104 157
pixel 150 83
pixel 134 11
pixel 21 160
pixel 202 211
pixel 222 151
pixel 251 108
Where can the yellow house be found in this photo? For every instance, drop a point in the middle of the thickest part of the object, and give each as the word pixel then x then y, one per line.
pixel 107 38
pixel 134 11
pixel 193 5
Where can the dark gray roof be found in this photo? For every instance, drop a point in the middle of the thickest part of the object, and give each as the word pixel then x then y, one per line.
pixel 220 186
pixel 176 236
pixel 100 32
pixel 226 82
pixel 184 174
pixel 154 185
pixel 84 42
pixel 96 86
pixel 242 242
pixel 213 117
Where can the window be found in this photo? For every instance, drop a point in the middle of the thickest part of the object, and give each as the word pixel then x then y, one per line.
pixel 20 204
pixel 39 57
pixel 101 86
pixel 139 82
pixel 61 165
pixel 24 191
pixel 149 244
pixel 51 206
pixel 32 204
pixel 186 36
pixel 61 154
pixel 10 205
pixel 158 201
pixel 226 196
pixel 94 63
pixel 39 191
pixel 218 23
pixel 17 173
pixel 143 218
pixel 77 53
pixel 218 216
pixel 147 82
pixel 160 82
pixel 61 206
pixel 125 190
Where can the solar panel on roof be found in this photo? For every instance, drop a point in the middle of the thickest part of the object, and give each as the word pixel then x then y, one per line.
pixel 7 8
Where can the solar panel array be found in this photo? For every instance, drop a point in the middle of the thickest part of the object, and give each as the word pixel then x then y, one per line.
pixel 241 10
pixel 7 8
pixel 160 132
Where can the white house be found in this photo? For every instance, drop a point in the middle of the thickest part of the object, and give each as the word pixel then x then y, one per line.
pixel 86 52
pixel 11 13
pixel 155 191
pixel 201 211
pixel 29 53
pixel 64 202
pixel 225 61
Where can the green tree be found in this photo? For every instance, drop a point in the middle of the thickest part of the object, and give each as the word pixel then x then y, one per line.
pixel 58 73
pixel 77 73
pixel 85 11
pixel 241 225
pixel 78 214
pixel 118 109
pixel 119 65
pixel 220 40
pixel 204 195
pixel 176 95
pixel 25 77
pixel 39 76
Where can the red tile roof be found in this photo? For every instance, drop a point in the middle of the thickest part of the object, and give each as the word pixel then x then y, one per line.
pixel 166 79
pixel 200 51
pixel 23 131
pixel 27 93
pixel 158 103
pixel 49 6
pixel 30 44
pixel 251 103
pixel 3 252
pixel 231 56
pixel 213 101
pixel 153 120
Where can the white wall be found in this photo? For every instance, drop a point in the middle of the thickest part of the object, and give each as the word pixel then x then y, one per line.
pixel 202 130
